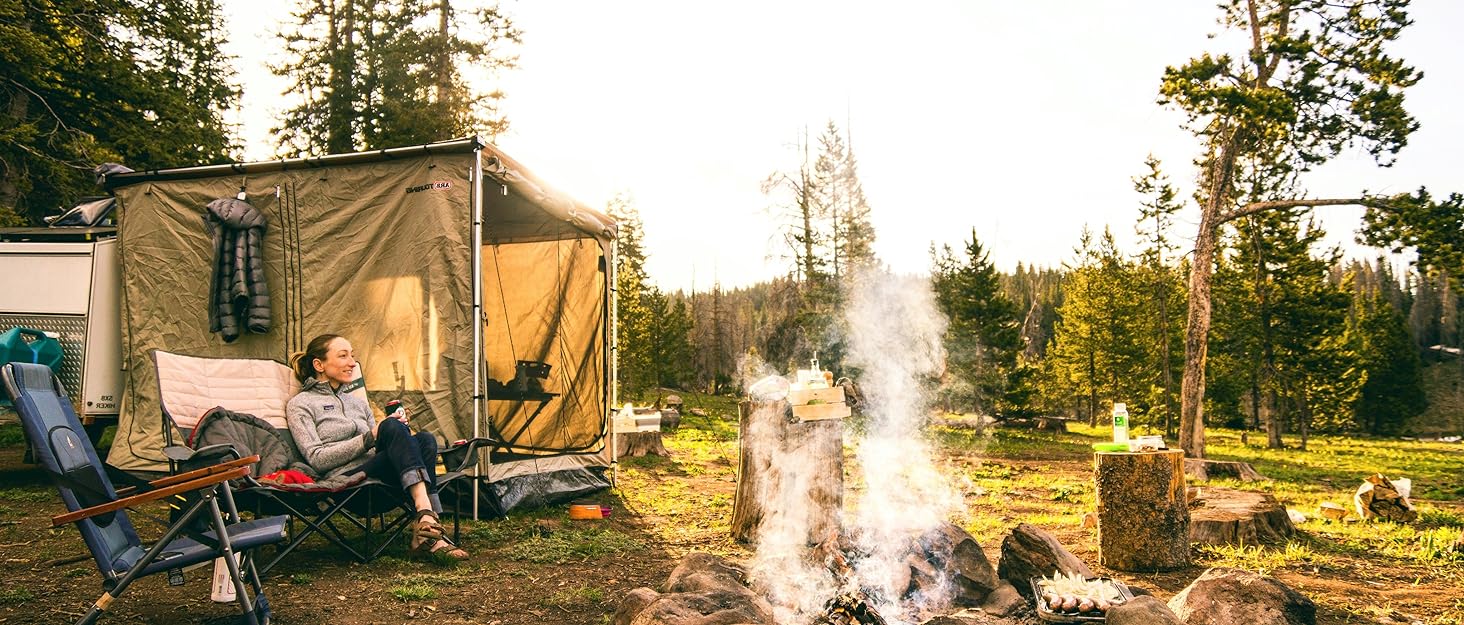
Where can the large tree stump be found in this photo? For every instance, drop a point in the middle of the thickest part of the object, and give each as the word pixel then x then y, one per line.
pixel 789 475
pixel 1143 516
pixel 637 444
pixel 1203 470
pixel 1225 516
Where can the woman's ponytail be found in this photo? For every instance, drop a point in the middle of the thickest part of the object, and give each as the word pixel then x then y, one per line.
pixel 304 362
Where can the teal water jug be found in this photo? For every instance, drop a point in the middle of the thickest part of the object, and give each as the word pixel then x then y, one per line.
pixel 33 346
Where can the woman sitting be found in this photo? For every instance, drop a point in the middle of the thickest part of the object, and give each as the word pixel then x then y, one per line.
pixel 338 435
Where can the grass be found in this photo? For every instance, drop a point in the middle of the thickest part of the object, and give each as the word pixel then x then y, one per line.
pixel 14 596
pixel 568 545
pixel 577 595
pixel 413 591
pixel 1262 559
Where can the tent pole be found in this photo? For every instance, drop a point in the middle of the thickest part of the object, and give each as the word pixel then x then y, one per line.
pixel 614 360
pixel 476 254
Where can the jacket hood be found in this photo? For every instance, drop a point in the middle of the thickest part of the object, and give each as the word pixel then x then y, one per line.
pixel 236 213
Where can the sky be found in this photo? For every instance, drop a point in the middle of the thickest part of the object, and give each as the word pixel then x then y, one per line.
pixel 1022 121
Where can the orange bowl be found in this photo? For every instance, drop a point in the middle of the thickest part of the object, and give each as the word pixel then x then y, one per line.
pixel 583 512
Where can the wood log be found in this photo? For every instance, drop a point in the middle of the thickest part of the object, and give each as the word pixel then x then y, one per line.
pixel 637 444
pixel 776 457
pixel 1051 424
pixel 1143 516
pixel 1225 516
pixel 1203 470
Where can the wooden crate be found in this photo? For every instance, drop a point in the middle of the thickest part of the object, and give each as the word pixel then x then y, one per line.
pixel 831 395
pixel 818 412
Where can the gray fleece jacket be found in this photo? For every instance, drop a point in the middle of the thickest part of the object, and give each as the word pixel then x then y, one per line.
pixel 332 431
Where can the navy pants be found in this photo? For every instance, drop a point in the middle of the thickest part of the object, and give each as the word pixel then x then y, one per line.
pixel 403 458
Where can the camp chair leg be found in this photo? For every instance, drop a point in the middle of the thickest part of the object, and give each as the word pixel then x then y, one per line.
pixel 390 532
pixel 103 602
pixel 320 524
pixel 240 592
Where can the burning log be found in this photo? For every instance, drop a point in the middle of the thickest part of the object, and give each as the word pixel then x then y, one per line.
pixel 852 608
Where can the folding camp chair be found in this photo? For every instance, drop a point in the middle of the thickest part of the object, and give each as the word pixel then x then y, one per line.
pixel 59 443
pixel 190 386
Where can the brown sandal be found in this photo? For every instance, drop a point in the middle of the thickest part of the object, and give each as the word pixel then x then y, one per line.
pixel 426 531
pixel 445 549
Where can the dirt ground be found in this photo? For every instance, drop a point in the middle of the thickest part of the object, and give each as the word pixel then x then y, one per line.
pixel 540 567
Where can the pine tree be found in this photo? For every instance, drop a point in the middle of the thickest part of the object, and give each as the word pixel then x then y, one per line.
pixel 142 83
pixel 1313 78
pixel 983 338
pixel 1393 392
pixel 634 318
pixel 375 74
pixel 1166 290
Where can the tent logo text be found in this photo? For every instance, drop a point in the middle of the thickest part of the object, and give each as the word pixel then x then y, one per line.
pixel 436 184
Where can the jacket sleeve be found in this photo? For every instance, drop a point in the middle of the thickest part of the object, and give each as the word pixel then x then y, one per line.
pixel 320 455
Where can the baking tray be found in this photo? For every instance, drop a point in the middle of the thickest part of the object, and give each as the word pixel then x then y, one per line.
pixel 1046 614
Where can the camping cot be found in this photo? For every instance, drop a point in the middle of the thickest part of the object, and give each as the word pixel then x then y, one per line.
pixel 444 264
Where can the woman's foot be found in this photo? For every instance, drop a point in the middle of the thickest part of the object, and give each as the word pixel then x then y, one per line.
pixel 426 532
pixel 447 550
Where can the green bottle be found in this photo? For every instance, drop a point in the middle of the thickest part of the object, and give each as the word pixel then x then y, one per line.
pixel 1120 423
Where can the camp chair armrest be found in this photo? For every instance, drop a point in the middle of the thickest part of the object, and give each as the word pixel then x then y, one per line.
pixel 152 495
pixel 179 453
pixel 466 454
pixel 205 471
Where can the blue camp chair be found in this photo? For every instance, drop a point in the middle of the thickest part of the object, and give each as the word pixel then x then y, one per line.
pixel 61 447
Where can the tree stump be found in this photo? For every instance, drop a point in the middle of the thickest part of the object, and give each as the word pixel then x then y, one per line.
pixel 1143 516
pixel 1203 470
pixel 637 444
pixel 789 475
pixel 1225 516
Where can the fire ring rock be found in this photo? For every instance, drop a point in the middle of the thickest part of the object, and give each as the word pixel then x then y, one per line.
pixel 953 550
pixel 1142 610
pixel 1223 596
pixel 1030 552
pixel 702 590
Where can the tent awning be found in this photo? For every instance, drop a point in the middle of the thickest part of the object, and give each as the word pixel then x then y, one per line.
pixel 526 209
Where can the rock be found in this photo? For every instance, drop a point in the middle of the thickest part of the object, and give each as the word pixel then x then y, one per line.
pixel 1090 520
pixel 1142 610
pixel 698 412
pixel 923 577
pixel 954 552
pixel 699 563
pixel 715 608
pixel 706 587
pixel 1225 516
pixel 1003 601
pixel 632 605
pixel 1223 596
pixel 1030 552
pixel 670 419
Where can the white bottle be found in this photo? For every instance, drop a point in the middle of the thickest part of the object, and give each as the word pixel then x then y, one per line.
pixel 1120 423
pixel 223 585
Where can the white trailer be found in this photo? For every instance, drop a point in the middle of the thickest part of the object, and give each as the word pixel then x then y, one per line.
pixel 65 282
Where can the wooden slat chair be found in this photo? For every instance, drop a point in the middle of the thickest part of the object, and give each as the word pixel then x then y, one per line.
pixel 190 386
pixel 61 447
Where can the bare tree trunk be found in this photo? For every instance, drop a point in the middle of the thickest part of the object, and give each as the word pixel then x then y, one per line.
pixel 1197 331
pixel 444 54
pixel 1273 420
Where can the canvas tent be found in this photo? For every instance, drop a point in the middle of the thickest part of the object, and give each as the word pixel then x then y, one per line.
pixel 380 247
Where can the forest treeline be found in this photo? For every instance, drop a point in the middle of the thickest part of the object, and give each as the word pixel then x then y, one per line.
pixel 148 84
pixel 1303 340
